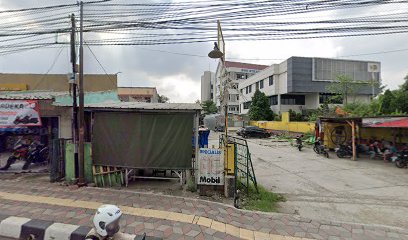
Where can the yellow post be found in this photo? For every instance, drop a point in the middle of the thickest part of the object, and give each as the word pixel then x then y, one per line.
pixel 285 117
pixel 229 161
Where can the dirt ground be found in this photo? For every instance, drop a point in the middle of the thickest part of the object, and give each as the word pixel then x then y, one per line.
pixel 363 191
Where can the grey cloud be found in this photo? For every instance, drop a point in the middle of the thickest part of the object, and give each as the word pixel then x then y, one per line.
pixel 141 67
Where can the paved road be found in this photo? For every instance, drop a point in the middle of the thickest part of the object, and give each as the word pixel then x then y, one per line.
pixel 364 191
pixel 169 217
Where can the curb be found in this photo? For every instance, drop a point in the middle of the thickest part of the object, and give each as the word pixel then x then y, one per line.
pixel 25 228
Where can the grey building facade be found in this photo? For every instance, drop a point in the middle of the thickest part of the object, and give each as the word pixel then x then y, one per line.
pixel 300 83
pixel 207 87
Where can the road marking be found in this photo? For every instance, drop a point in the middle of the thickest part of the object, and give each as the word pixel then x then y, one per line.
pixel 141 212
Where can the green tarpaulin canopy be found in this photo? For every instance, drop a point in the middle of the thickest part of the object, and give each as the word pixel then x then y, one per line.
pixel 143 140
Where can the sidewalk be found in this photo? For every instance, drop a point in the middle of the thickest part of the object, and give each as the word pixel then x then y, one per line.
pixel 171 217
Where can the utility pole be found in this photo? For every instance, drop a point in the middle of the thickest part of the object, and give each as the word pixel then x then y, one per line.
pixel 74 94
pixel 81 180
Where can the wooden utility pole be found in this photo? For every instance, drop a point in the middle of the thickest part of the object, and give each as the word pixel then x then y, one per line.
pixel 81 135
pixel 74 94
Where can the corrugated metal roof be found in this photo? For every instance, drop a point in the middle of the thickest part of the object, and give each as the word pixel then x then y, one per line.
pixel 140 106
pixel 31 95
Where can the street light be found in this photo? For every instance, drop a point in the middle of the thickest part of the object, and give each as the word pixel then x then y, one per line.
pixel 215 53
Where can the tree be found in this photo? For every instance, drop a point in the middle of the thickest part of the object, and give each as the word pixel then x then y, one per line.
pixel 357 109
pixel 387 102
pixel 404 86
pixel 209 107
pixel 163 99
pixel 400 102
pixel 260 109
pixel 342 88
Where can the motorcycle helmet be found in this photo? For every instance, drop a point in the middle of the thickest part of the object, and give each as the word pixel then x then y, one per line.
pixel 106 220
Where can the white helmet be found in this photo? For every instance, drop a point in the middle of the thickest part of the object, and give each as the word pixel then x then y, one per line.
pixel 106 220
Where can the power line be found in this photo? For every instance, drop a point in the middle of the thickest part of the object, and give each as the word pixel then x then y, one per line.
pixel 100 64
pixel 191 22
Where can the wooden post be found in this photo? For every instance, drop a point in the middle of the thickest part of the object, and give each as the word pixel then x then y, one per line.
pixel 353 138
pixel 352 123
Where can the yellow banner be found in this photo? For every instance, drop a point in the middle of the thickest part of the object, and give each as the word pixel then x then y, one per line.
pixel 13 87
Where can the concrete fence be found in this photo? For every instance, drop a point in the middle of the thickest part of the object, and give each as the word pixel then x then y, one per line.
pixel 285 125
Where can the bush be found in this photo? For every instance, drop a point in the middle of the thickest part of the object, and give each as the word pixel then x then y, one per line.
pixel 191 186
pixel 264 200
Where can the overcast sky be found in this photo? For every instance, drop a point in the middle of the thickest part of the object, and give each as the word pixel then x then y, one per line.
pixel 178 77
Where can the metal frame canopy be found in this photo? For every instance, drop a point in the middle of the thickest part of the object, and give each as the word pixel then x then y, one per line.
pixel 353 122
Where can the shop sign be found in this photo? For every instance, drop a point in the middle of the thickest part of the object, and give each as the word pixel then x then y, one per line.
pixel 19 113
pixel 211 166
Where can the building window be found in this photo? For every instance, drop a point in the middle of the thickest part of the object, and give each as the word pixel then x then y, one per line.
pixel 330 98
pixel 257 85
pixel 270 80
pixel 241 91
pixel 246 105
pixel 261 84
pixel 250 88
pixel 273 100
pixel 242 76
pixel 292 99
pixel 246 89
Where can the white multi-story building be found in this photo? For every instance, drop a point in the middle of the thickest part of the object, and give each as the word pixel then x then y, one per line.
pixel 300 83
pixel 207 87
pixel 237 72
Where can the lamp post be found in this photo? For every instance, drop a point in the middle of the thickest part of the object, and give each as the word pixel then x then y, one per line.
pixel 217 54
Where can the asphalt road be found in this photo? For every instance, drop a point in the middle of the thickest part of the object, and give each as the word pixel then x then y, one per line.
pixel 364 191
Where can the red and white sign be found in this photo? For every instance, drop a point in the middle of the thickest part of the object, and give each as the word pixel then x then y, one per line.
pixel 19 113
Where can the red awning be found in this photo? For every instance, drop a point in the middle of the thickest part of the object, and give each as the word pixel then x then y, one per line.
pixel 398 123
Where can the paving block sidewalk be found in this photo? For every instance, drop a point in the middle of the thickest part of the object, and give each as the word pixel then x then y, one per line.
pixel 172 217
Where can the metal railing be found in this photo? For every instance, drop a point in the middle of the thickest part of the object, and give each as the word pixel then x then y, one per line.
pixel 243 167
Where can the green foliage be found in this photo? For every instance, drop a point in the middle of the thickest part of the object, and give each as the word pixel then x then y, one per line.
pixel 295 116
pixel 163 99
pixel 209 107
pixel 264 201
pixel 357 109
pixel 277 118
pixel 260 109
pixel 401 100
pixel 404 86
pixel 323 111
pixel 191 186
pixel 342 88
pixel 388 103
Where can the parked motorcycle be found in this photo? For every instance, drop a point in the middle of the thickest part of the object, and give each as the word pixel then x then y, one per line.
pixel 344 151
pixel 20 151
pixel 37 153
pixel 299 142
pixel 320 149
pixel 402 159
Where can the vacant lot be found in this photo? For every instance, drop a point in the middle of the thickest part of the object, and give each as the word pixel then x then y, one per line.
pixel 364 191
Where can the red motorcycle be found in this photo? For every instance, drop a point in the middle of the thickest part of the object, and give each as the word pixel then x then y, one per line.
pixel 20 152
